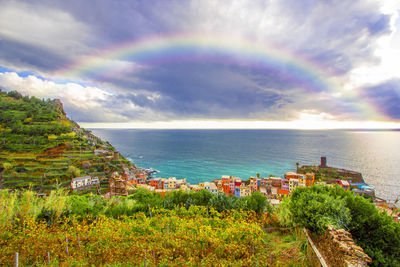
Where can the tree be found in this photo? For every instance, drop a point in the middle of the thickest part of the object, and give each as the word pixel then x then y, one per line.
pixel 223 202
pixel 375 232
pixel 73 171
pixel 297 167
pixel 179 197
pixel 14 94
pixel 202 197
pixel 315 210
pixel 257 202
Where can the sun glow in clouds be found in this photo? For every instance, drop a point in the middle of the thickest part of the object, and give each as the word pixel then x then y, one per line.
pixel 304 124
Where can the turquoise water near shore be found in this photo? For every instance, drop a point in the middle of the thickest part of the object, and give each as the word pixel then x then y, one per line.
pixel 204 155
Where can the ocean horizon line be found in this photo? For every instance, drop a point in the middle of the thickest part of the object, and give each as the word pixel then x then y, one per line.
pixel 253 129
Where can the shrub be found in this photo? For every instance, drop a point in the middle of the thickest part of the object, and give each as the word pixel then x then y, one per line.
pixel 223 202
pixel 316 211
pixel 318 206
pixel 86 205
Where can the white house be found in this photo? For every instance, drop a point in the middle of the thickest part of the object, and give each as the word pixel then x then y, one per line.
pixel 84 181
pixel 211 187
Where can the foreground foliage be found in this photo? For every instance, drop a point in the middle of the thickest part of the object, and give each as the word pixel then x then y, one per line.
pixel 184 236
pixel 317 207
pixel 16 206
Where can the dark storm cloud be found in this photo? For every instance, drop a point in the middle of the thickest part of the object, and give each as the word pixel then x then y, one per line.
pixel 339 35
pixel 385 97
pixel 29 56
pixel 205 89
pixel 118 21
pixel 308 23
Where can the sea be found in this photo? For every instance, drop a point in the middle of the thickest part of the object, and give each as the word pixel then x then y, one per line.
pixel 205 155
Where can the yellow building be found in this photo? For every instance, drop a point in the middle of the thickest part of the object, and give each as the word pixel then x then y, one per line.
pixel 196 187
pixel 293 183
pixel 302 180
pixel 184 187
pixel 219 186
pixel 245 190
pixel 174 183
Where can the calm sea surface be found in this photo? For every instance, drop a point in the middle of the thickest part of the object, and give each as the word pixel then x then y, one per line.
pixel 204 155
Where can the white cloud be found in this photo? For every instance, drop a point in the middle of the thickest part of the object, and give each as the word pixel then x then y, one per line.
pixel 388 66
pixel 387 52
pixel 42 88
pixel 83 103
pixel 86 99
pixel 43 27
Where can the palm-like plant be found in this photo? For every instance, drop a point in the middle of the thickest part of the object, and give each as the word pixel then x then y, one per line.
pixel 3 168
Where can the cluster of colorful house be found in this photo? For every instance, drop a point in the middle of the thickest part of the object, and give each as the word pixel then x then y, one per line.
pixel 275 188
pixel 272 187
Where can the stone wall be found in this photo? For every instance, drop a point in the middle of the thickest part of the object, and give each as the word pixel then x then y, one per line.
pixel 338 248
pixel 117 185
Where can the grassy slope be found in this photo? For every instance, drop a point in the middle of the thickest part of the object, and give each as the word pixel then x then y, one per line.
pixel 197 236
pixel 42 149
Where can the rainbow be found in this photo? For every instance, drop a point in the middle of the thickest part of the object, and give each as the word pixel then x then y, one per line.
pixel 155 50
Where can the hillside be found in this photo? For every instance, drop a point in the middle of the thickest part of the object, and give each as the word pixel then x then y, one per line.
pixel 41 149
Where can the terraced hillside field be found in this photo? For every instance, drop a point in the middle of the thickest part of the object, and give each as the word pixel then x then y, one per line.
pixel 40 148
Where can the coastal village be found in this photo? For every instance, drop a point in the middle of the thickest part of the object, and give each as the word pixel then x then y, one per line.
pixel 274 188
pixel 49 152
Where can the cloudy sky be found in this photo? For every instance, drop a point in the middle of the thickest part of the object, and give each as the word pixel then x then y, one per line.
pixel 208 63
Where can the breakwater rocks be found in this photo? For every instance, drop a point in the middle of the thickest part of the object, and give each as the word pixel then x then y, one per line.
pixel 339 249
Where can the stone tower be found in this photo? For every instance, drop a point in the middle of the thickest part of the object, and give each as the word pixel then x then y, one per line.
pixel 323 162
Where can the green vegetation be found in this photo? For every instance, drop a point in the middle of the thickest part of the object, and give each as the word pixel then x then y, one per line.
pixel 40 148
pixel 58 205
pixel 28 124
pixel 257 202
pixel 317 207
pixel 329 174
pixel 128 230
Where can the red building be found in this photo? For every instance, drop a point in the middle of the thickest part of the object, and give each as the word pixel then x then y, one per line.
pixel 343 183
pixel 238 183
pixel 292 175
pixel 141 175
pixel 283 192
pixel 157 183
pixel 225 180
